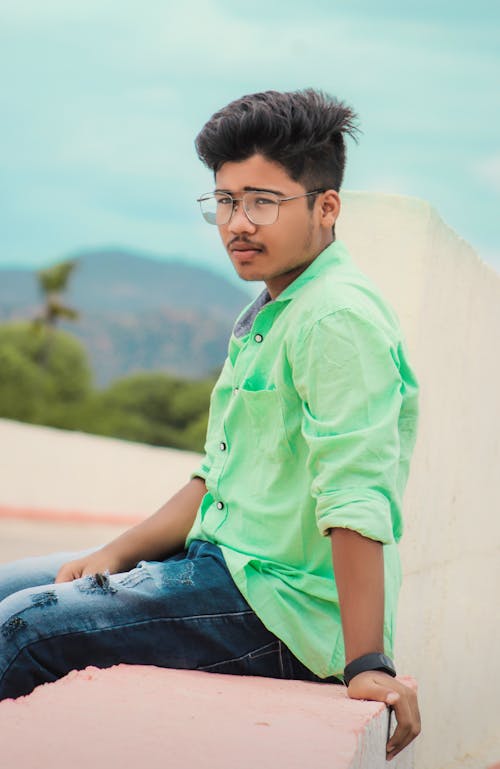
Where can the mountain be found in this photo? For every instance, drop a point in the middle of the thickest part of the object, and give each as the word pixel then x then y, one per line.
pixel 138 313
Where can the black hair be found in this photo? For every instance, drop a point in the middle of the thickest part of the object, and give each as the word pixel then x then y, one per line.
pixel 301 130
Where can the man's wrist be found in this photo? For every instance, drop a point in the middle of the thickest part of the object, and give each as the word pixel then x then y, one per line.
pixel 372 661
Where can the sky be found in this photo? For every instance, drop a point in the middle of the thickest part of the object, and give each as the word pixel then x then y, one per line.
pixel 101 101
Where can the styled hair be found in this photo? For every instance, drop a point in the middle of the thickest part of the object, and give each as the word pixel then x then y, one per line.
pixel 301 130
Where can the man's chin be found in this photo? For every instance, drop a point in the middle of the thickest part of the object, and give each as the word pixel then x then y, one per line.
pixel 247 273
pixel 252 278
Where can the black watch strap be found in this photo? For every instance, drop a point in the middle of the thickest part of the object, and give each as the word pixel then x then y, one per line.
pixel 375 661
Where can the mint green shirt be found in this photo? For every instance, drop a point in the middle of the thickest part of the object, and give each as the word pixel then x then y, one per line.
pixel 312 424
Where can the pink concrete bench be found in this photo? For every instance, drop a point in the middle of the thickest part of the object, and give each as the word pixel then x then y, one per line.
pixel 130 716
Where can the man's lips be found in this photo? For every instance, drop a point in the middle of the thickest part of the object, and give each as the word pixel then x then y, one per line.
pixel 244 250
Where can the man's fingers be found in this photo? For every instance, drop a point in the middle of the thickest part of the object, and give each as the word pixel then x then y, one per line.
pixel 402 735
pixel 408 721
pixel 374 685
pixel 392 698
pixel 65 577
pixel 67 573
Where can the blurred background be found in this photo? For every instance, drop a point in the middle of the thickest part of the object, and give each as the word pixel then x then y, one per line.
pixel 116 299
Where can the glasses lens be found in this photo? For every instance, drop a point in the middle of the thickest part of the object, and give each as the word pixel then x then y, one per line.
pixel 216 209
pixel 261 207
pixel 224 208
pixel 208 207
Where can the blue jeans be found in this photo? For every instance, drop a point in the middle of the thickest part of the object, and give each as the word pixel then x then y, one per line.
pixel 184 612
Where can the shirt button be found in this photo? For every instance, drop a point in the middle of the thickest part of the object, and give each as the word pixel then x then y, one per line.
pixel 258 338
pixel 222 446
pixel 220 505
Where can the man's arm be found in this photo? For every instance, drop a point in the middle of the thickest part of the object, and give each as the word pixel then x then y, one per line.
pixel 358 564
pixel 160 535
pixel 356 389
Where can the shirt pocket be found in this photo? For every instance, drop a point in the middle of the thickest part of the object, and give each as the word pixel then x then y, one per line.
pixel 260 417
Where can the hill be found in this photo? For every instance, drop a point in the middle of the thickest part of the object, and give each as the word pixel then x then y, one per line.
pixel 138 313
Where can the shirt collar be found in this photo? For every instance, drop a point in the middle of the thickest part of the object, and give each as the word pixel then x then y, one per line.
pixel 334 254
pixel 244 322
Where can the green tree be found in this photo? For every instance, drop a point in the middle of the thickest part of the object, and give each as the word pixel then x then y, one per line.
pixel 28 391
pixel 196 432
pixel 149 407
pixel 53 282
pixel 23 386
pixel 168 408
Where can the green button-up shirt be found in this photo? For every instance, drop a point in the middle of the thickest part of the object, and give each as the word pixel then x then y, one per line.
pixel 312 424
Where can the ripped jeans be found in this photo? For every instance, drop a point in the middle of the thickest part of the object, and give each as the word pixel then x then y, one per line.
pixel 184 612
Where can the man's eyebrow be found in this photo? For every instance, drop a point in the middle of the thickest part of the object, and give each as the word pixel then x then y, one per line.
pixel 253 189
pixel 263 189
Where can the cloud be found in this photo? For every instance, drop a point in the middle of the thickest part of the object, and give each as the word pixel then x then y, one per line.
pixel 33 12
pixel 488 170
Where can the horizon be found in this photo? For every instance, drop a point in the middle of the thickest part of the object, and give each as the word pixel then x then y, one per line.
pixel 164 259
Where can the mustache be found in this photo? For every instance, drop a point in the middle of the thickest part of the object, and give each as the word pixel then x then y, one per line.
pixel 244 241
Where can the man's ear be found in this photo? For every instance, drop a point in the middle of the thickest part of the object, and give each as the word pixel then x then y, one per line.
pixel 329 208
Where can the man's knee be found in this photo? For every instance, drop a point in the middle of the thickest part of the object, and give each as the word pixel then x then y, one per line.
pixel 20 609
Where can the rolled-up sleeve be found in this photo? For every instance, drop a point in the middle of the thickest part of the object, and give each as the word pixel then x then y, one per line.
pixel 202 470
pixel 346 372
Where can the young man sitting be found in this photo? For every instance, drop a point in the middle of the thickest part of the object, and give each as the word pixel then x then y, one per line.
pixel 279 557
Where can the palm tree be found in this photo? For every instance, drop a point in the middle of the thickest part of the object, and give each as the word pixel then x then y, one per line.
pixel 52 282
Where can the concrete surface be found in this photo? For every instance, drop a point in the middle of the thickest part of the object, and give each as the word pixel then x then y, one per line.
pixel 449 623
pixel 87 474
pixel 143 716
pixel 21 537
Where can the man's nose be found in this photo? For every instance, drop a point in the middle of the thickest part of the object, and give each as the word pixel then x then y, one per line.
pixel 239 220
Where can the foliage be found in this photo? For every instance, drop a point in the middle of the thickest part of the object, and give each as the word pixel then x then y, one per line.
pixel 53 281
pixel 66 375
pixel 23 387
pixel 52 385
pixel 169 407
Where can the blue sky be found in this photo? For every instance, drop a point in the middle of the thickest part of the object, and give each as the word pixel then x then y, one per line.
pixel 101 101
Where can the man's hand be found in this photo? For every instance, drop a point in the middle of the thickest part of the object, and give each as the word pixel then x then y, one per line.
pixel 160 535
pixel 96 563
pixel 378 686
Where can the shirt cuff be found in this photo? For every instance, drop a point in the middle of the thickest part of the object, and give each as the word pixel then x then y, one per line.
pixel 201 472
pixel 363 510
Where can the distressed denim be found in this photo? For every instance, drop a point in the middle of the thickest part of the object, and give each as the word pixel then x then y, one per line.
pixel 184 612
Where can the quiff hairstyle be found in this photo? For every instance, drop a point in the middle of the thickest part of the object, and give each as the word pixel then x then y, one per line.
pixel 301 130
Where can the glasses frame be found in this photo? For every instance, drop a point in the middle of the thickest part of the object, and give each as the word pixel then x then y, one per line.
pixel 279 201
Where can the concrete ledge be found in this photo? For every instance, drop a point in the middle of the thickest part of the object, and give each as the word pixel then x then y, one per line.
pixel 128 716
pixel 73 516
pixel 47 468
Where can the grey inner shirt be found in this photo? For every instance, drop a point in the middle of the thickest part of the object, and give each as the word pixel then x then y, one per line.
pixel 244 324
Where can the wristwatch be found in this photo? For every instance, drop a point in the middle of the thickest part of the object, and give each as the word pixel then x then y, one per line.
pixel 375 661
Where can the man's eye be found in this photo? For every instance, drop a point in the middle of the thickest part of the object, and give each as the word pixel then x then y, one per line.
pixel 263 201
pixel 224 201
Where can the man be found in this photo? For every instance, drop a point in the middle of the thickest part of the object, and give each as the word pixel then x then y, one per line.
pixel 279 557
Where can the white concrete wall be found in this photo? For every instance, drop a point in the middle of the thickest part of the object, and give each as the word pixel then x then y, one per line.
pixel 449 618
pixel 70 472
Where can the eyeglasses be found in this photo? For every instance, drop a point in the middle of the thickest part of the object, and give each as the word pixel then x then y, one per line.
pixel 260 207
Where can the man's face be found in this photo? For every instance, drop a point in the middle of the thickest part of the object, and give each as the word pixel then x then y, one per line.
pixel 275 253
